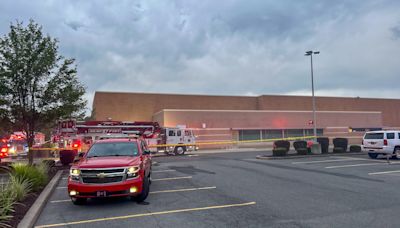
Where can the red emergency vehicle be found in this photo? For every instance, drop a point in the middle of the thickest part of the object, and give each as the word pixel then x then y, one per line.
pixel 80 135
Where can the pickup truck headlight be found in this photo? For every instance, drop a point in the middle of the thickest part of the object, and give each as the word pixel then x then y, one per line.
pixel 133 171
pixel 74 173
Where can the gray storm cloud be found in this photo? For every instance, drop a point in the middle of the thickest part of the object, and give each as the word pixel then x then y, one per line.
pixel 224 47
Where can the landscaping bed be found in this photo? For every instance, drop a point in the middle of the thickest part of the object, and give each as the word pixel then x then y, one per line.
pixel 15 201
pixel 281 148
pixel 294 154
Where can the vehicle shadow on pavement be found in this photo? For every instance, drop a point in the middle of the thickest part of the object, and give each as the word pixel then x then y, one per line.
pixel 106 202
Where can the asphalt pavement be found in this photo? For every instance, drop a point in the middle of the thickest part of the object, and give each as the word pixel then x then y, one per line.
pixel 238 190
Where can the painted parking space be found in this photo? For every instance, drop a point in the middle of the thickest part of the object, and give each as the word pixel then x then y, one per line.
pixel 172 194
pixel 238 190
pixel 354 165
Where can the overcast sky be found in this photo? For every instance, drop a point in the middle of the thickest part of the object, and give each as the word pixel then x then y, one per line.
pixel 229 47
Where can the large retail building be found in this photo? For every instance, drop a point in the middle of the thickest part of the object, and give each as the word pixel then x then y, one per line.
pixel 219 118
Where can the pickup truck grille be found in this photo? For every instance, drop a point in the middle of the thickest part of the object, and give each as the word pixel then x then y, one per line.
pixel 105 180
pixel 102 176
pixel 97 171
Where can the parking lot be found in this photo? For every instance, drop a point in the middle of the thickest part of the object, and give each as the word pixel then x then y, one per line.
pixel 238 190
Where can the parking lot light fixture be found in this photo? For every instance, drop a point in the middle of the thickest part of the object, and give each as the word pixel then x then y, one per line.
pixel 311 53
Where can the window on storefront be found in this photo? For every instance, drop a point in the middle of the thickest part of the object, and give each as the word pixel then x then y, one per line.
pixel 271 134
pixel 249 135
pixel 310 132
pixel 294 133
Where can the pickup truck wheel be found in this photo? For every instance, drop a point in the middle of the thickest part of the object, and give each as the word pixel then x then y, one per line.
pixel 180 150
pixel 373 155
pixel 145 191
pixel 78 201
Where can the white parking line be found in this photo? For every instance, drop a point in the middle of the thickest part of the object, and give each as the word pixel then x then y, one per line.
pixel 155 192
pixel 146 214
pixel 386 172
pixel 354 165
pixel 163 171
pixel 325 161
pixel 183 190
pixel 172 178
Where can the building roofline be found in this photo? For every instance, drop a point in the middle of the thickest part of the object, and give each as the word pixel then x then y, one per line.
pixel 244 96
pixel 293 111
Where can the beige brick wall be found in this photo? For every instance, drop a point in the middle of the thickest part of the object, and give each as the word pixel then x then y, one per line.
pixel 142 106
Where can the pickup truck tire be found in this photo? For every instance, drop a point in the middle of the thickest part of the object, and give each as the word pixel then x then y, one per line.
pixel 180 150
pixel 78 201
pixel 373 155
pixel 145 191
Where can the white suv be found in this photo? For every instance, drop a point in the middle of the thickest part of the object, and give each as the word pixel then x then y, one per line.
pixel 382 142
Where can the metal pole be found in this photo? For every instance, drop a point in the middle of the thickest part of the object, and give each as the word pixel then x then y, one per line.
pixel 313 100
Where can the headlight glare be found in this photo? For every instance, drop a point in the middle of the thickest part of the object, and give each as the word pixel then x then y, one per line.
pixel 74 172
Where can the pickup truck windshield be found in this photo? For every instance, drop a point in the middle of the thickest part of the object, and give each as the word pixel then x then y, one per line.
pixel 113 149
pixel 373 136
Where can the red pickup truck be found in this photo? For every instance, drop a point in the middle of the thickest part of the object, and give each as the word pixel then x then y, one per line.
pixel 112 168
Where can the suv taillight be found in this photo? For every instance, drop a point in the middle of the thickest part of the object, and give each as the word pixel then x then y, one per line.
pixel 385 143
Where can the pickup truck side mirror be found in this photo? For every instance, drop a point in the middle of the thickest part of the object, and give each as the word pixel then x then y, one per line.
pixel 146 152
pixel 81 154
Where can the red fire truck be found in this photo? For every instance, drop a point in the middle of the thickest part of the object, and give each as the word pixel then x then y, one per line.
pixel 79 135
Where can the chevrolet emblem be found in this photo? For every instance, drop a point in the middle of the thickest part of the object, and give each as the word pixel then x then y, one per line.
pixel 101 175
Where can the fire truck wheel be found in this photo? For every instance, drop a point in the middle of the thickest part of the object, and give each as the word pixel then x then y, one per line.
pixel 180 150
pixel 78 201
pixel 145 192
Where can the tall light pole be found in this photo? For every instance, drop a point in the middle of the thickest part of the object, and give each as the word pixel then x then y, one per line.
pixel 311 53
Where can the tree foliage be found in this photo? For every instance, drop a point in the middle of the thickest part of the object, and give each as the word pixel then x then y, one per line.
pixel 37 85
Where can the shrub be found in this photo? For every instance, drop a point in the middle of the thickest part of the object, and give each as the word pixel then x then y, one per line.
pixel 324 141
pixel 282 144
pixel 36 175
pixel 302 151
pixel 300 145
pixel 21 187
pixel 7 202
pixel 340 142
pixel 279 151
pixel 355 148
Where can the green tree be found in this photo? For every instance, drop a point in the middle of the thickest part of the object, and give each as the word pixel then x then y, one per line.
pixel 37 85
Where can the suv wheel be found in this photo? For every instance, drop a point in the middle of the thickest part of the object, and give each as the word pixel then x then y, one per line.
pixel 373 155
pixel 145 191
pixel 180 150
pixel 78 201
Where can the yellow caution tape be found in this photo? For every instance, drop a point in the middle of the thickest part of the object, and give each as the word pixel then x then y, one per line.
pixel 203 143
pixel 233 142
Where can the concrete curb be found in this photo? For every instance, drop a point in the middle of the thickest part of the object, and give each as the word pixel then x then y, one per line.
pixel 270 157
pixel 33 213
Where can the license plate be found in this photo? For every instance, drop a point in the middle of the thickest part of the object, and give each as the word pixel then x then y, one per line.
pixel 101 194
